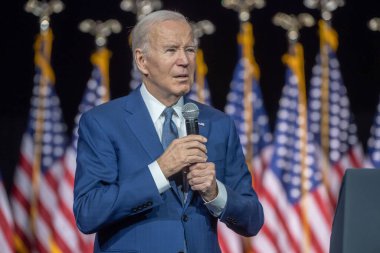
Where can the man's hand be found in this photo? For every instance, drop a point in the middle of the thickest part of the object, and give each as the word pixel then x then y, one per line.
pixel 202 178
pixel 181 153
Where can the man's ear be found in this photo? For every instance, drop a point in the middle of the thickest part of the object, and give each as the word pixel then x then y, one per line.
pixel 140 60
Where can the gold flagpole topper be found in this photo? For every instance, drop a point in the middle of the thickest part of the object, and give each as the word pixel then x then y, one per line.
pixel 292 23
pixel 100 30
pixel 243 7
pixel 44 10
pixel 326 6
pixel 140 7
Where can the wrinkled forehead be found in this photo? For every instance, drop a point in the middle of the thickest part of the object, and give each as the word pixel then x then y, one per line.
pixel 171 30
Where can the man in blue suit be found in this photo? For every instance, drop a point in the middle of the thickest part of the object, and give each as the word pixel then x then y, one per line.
pixel 125 184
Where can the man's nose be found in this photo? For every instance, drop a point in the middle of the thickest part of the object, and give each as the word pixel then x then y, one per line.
pixel 183 58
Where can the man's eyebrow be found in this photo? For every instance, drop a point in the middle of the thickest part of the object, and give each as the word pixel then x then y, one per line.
pixel 170 45
pixel 176 45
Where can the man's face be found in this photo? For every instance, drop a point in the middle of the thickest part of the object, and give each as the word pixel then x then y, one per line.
pixel 169 62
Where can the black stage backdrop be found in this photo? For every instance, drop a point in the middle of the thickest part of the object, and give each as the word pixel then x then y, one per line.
pixel 359 55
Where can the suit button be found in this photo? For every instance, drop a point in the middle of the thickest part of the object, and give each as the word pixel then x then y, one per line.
pixel 149 203
pixel 134 210
pixel 185 218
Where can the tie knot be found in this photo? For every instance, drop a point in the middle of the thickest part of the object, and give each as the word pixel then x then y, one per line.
pixel 168 112
pixel 169 129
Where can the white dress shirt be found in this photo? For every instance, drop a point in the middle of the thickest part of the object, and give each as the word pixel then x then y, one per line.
pixel 156 108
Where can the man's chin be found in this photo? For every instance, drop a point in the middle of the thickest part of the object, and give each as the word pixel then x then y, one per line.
pixel 185 88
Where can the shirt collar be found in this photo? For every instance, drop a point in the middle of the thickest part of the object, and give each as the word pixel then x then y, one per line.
pixel 155 107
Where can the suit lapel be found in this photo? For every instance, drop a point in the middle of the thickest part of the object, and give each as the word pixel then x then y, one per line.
pixel 140 123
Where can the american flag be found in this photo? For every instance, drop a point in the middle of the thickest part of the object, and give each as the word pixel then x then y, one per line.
pixel 373 154
pixel 6 222
pixel 96 93
pixel 330 118
pixel 298 217
pixel 245 105
pixel 200 91
pixel 35 190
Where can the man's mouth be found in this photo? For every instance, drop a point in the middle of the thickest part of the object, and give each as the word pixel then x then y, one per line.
pixel 182 77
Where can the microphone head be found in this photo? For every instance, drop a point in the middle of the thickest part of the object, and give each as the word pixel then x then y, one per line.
pixel 190 111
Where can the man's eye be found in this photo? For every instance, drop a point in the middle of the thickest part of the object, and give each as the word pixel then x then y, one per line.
pixel 170 50
pixel 190 50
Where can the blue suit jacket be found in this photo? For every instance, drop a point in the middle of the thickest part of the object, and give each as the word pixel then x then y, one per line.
pixel 116 196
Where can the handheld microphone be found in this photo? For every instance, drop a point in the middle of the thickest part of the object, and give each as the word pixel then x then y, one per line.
pixel 190 112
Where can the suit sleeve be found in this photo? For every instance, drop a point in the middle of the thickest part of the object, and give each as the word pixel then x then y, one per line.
pixel 101 197
pixel 243 212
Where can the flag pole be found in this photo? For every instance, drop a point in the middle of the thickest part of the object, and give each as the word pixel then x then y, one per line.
pixel 327 38
pixel 251 72
pixel 247 42
pixel 201 71
pixel 294 59
pixel 42 47
pixel 200 28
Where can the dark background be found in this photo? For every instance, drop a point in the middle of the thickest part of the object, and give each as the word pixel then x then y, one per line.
pixel 359 55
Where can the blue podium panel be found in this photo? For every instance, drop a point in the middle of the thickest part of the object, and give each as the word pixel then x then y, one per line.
pixel 356 227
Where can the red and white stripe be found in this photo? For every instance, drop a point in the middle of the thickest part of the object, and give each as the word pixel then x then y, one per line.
pixel 260 165
pixel 283 230
pixel 39 233
pixel 352 159
pixel 6 222
pixel 229 241
pixel 72 240
pixel 22 195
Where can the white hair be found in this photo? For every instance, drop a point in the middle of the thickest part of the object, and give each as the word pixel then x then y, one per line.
pixel 141 32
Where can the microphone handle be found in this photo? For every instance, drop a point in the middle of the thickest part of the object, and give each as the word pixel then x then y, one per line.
pixel 191 128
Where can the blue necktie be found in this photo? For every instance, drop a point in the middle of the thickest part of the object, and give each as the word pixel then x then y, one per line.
pixel 169 129
pixel 169 133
